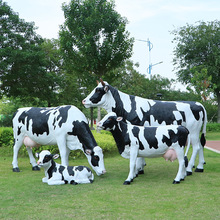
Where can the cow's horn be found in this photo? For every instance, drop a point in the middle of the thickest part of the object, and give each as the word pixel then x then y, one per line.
pixel 102 82
pixel 97 82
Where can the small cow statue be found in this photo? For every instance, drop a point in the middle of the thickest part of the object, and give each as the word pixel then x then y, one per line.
pixel 57 174
pixel 139 141
pixel 65 126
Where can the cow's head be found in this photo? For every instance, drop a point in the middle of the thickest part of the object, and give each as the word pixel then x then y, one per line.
pixel 98 96
pixel 45 158
pixel 109 121
pixel 96 160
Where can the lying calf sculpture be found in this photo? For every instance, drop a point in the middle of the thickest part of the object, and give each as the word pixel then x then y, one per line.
pixel 138 141
pixel 57 174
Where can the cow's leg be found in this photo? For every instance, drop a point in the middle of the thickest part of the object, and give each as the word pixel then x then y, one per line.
pixel 201 160
pixel 181 170
pixel 61 143
pixel 133 158
pixel 196 147
pixel 140 163
pixel 56 179
pixel 32 160
pixel 17 145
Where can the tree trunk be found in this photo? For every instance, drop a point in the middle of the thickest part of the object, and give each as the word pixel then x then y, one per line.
pixel 91 118
pixel 98 118
pixel 218 100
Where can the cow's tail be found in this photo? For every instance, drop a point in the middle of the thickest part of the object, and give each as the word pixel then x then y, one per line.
pixel 187 150
pixel 202 139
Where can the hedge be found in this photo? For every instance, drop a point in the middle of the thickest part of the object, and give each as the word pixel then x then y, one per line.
pixel 104 139
pixel 213 127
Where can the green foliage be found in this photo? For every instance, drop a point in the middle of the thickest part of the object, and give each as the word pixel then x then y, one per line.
pixel 6 137
pixel 197 57
pixel 104 140
pixel 29 67
pixel 93 38
pixel 213 127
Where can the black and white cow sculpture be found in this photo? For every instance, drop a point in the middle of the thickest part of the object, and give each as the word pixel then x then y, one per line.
pixel 138 141
pixel 65 126
pixel 147 112
pixel 56 174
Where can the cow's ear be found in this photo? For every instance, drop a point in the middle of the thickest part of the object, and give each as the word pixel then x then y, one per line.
pixel 37 155
pixel 119 119
pixel 88 151
pixel 55 156
pixel 106 88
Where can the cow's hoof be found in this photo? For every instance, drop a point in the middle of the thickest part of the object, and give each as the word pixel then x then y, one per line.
pixel 176 182
pixel 16 169
pixel 188 173
pixel 72 182
pixel 126 183
pixel 199 170
pixel 141 172
pixel 36 168
pixel 182 179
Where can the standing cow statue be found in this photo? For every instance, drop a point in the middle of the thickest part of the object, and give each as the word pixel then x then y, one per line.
pixel 147 112
pixel 56 174
pixel 65 126
pixel 133 141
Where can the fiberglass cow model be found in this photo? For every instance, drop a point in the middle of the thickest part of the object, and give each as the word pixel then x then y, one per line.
pixel 147 112
pixel 57 174
pixel 139 141
pixel 65 126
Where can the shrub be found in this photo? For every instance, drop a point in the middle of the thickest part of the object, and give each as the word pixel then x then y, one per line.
pixel 104 139
pixel 213 127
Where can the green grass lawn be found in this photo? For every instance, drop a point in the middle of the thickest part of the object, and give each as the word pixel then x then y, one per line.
pixel 213 136
pixel 150 196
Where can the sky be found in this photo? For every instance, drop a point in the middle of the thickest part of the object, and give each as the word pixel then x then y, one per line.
pixel 149 20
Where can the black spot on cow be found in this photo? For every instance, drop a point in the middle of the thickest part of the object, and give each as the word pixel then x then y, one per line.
pixel 40 117
pixel 51 169
pixel 196 109
pixel 80 168
pixel 136 131
pixel 121 137
pixel 63 114
pixel 95 160
pixel 97 96
pixel 19 130
pixel 182 135
pixel 82 131
pixel 150 136
pixel 173 138
pixel 70 171
pixel 61 169
pixel 162 112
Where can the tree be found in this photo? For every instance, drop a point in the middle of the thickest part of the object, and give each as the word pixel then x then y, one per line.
pixel 197 57
pixel 24 68
pixel 93 39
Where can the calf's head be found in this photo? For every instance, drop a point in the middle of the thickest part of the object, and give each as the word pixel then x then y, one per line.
pixel 45 158
pixel 98 96
pixel 96 160
pixel 109 122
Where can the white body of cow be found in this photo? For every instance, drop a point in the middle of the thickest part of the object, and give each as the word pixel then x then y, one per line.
pixel 65 126
pixel 146 112
pixel 138 141
pixel 56 174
